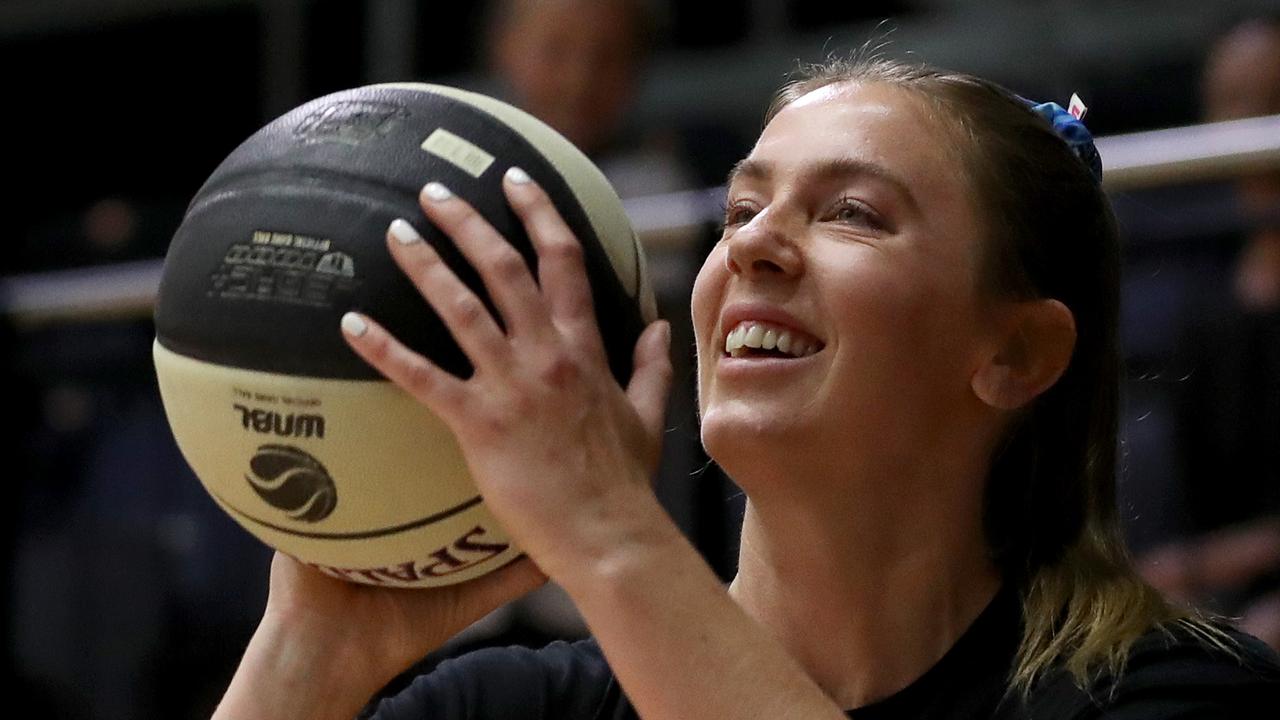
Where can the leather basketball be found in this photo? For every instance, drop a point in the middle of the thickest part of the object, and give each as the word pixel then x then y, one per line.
pixel 291 433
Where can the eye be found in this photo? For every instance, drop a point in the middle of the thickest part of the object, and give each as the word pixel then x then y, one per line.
pixel 855 212
pixel 739 212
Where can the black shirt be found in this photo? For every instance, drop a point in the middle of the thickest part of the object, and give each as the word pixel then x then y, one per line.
pixel 1169 675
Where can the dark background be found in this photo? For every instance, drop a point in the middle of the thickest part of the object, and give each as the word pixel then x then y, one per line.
pixel 129 593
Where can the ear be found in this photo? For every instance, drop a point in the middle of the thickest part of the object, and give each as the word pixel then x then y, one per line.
pixel 1032 350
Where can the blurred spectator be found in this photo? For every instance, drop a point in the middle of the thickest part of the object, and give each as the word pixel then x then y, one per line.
pixel 572 63
pixel 1229 412
pixel 109 229
pixel 1243 80
pixel 577 65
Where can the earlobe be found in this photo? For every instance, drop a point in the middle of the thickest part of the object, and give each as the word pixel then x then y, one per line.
pixel 1031 353
pixel 993 387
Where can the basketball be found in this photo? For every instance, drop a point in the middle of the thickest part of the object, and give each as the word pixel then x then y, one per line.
pixel 291 433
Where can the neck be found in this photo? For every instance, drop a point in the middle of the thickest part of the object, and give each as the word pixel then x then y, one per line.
pixel 868 599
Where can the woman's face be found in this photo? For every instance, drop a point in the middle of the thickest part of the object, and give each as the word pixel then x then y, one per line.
pixel 850 248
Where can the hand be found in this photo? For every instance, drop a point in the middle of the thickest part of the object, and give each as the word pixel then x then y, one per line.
pixel 385 629
pixel 557 449
pixel 325 646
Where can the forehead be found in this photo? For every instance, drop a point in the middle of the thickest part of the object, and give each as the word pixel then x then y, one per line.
pixel 878 132
pixel 870 123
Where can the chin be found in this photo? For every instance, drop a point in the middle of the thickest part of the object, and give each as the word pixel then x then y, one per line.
pixel 734 436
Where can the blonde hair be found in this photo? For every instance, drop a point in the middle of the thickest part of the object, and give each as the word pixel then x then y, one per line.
pixel 1050 510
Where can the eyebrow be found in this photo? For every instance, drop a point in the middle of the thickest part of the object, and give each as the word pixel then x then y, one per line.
pixel 826 169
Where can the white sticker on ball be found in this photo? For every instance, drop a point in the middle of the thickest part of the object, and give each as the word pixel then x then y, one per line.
pixel 459 151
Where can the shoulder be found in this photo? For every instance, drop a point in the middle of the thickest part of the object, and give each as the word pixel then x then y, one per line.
pixel 562 680
pixel 1173 673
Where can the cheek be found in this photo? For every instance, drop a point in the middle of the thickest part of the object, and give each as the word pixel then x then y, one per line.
pixel 708 290
pixel 708 293
pixel 908 326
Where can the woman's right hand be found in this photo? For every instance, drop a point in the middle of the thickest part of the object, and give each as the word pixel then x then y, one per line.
pixel 324 645
pixel 388 629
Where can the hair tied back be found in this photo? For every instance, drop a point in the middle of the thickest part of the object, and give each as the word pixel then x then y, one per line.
pixel 1067 123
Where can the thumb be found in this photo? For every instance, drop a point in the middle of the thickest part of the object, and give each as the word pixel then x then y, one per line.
pixel 651 378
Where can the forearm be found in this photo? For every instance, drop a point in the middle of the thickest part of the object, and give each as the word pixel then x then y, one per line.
pixel 282 677
pixel 680 646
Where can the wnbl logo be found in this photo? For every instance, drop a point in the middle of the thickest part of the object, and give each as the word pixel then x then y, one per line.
pixel 269 422
pixel 293 482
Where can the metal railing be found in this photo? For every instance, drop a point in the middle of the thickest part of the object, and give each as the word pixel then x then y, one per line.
pixel 1131 161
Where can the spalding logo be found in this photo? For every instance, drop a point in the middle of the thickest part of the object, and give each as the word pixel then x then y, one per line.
pixel 292 481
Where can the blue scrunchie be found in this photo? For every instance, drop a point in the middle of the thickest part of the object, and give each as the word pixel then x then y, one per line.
pixel 1073 132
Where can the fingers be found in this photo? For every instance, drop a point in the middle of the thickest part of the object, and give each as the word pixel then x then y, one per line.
pixel 505 274
pixel 426 382
pixel 561 306
pixel 651 378
pixel 561 271
pixel 474 329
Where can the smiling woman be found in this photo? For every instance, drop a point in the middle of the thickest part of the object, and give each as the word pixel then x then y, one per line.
pixel 907 359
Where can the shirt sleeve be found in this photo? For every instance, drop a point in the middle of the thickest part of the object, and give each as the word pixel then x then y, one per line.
pixel 562 681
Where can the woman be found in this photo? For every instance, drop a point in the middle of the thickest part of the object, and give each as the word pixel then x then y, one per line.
pixel 928 450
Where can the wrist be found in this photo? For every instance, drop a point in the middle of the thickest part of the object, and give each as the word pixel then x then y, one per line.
pixel 290 670
pixel 634 541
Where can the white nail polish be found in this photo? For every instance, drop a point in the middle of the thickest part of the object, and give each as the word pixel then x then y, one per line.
pixel 517 176
pixel 437 192
pixel 354 325
pixel 403 232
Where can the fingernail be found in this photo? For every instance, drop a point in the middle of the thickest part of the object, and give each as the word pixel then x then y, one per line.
pixel 517 176
pixel 437 192
pixel 354 325
pixel 403 232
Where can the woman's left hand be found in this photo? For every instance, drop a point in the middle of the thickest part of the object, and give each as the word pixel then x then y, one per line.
pixel 559 451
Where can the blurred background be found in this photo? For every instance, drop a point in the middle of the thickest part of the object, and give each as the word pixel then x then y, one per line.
pixel 130 595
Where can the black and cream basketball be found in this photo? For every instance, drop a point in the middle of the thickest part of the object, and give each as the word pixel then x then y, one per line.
pixel 292 434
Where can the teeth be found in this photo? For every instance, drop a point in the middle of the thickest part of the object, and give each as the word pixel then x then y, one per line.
pixel 755 335
pixel 784 342
pixel 733 343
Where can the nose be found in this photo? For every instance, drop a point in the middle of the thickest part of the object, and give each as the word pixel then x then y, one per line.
pixel 762 248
